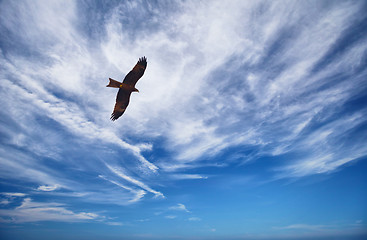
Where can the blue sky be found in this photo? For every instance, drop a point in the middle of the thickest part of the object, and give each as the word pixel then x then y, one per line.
pixel 250 122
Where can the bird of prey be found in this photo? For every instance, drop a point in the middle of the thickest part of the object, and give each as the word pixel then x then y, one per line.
pixel 126 88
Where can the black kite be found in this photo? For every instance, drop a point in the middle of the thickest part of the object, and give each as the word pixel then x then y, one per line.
pixel 127 87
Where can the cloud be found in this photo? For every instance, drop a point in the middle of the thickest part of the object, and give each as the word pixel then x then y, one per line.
pixel 4 201
pixel 119 172
pixel 187 176
pixel 179 207
pixel 312 231
pixel 303 227
pixel 30 211
pixel 48 188
pixel 8 197
pixel 323 158
pixel 139 194
pixel 143 220
pixel 16 161
pixel 14 194
pixel 115 223
pixel 170 217
pixel 194 219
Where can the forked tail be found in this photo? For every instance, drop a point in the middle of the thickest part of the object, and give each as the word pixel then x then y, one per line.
pixel 113 83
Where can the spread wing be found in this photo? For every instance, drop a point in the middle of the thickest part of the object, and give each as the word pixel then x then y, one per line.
pixel 136 73
pixel 122 101
pixel 123 95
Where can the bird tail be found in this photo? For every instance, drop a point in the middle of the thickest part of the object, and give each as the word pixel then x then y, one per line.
pixel 113 83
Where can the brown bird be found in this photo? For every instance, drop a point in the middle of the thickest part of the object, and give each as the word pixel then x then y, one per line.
pixel 127 87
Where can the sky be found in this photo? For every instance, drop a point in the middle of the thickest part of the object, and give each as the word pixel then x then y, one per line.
pixel 250 122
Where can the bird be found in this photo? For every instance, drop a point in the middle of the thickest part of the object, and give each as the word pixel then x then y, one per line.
pixel 126 87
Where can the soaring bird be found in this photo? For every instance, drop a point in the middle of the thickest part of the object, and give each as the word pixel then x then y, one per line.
pixel 127 87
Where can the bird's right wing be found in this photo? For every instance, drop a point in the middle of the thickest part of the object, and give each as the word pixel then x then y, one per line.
pixel 136 73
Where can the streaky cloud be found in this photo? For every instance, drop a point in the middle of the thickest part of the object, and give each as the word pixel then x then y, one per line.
pixel 119 172
pixel 30 211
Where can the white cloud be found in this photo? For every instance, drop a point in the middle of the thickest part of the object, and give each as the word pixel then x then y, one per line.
pixel 115 223
pixel 170 217
pixel 323 158
pixel 46 188
pixel 303 226
pixel 119 172
pixel 194 219
pixel 4 201
pixel 138 193
pixel 30 211
pixel 14 194
pixel 179 207
pixel 143 220
pixel 15 162
pixel 187 176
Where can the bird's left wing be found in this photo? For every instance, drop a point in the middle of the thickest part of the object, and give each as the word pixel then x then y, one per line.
pixel 122 101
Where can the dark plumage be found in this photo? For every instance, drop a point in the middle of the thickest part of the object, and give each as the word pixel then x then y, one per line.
pixel 127 87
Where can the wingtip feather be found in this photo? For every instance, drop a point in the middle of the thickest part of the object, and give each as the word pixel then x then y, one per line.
pixel 143 61
pixel 114 117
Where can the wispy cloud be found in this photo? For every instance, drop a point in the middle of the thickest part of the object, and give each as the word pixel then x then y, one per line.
pixel 9 194
pixel 119 172
pixel 194 219
pixel 187 176
pixel 139 193
pixel 115 223
pixel 7 197
pixel 179 207
pixel 343 230
pixel 303 227
pixel 48 188
pixel 30 211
